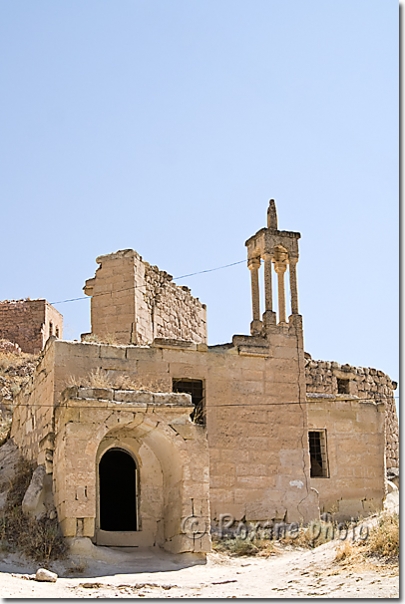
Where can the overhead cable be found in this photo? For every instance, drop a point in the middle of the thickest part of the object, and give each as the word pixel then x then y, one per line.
pixel 208 270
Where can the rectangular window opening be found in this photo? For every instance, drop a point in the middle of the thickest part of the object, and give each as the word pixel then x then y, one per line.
pixel 317 454
pixel 342 386
pixel 196 389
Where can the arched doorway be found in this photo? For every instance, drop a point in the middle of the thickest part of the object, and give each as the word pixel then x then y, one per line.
pixel 118 491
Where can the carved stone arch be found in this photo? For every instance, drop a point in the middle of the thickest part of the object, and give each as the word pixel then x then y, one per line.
pixel 170 456
pixel 149 491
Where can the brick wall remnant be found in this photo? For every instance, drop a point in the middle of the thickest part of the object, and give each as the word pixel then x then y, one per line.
pixel 29 323
pixel 325 377
pixel 133 302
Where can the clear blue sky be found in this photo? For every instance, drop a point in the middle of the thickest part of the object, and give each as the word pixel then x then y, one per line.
pixel 165 126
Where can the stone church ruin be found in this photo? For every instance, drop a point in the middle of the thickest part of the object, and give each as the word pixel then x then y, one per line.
pixel 180 432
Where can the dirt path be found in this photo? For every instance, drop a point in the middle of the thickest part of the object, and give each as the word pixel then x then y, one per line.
pixel 121 572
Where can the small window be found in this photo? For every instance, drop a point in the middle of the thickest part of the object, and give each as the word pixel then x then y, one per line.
pixel 57 332
pixel 196 389
pixel 317 454
pixel 342 386
pixel 50 329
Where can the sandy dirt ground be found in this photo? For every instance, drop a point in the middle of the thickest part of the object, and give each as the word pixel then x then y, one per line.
pixel 151 573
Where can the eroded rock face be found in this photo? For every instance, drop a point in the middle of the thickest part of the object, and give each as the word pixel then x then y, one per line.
pixel 15 371
pixel 9 347
pixel 9 459
pixel 32 503
pixel 38 499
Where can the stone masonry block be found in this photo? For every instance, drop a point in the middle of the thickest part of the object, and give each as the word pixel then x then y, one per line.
pixel 68 527
pixel 152 367
pixel 135 353
pixel 112 352
pixel 283 352
pixel 222 469
pixel 244 387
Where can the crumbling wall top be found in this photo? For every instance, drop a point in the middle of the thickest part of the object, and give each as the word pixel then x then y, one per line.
pixel 134 302
pixel 127 253
pixel 343 381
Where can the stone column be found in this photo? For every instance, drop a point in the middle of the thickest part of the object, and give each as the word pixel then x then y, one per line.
pixel 269 316
pixel 293 286
pixel 268 289
pixel 256 324
pixel 280 268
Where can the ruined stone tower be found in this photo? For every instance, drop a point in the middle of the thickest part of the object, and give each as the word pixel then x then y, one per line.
pixel 133 302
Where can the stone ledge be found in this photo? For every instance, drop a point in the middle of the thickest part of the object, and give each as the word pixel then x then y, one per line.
pixel 139 398
pixel 370 401
pixel 253 351
pixel 254 341
pixel 172 343
pixel 336 397
pixel 318 396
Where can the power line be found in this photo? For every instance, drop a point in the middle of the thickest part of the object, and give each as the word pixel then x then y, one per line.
pixel 208 270
pixel 210 407
pixel 41 405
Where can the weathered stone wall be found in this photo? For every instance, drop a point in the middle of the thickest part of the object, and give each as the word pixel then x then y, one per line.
pixel 391 434
pixel 113 298
pixel 27 323
pixel 134 303
pixel 257 418
pixel 33 414
pixel 53 324
pixel 256 426
pixel 175 312
pixel 365 383
pixel 354 485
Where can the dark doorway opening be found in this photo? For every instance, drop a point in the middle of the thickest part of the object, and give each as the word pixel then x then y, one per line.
pixel 117 472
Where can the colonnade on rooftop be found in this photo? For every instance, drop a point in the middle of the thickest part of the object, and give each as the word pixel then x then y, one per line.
pixel 278 249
